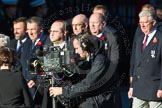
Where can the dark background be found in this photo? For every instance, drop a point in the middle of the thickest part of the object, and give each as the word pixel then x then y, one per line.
pixel 123 16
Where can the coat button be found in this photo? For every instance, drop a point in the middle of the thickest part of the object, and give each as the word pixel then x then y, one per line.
pixel 138 77
pixel 147 60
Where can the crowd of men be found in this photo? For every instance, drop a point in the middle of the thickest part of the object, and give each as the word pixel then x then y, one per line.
pixel 95 51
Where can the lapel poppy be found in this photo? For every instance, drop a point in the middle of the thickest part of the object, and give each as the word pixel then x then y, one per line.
pixel 39 43
pixel 155 40
pixel 102 38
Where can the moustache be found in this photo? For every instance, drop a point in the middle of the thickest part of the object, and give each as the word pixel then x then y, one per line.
pixel 16 33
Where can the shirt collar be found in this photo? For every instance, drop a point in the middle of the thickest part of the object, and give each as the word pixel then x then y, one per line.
pixel 61 45
pixel 23 40
pixel 99 35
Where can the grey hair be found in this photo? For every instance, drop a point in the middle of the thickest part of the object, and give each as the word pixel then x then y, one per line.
pixel 4 40
pixel 149 13
pixel 37 20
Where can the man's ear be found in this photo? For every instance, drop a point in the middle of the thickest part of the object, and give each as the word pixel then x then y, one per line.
pixel 65 32
pixel 41 29
pixel 104 23
pixel 86 25
pixel 154 22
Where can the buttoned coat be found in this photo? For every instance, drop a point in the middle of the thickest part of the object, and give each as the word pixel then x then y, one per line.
pixel 147 68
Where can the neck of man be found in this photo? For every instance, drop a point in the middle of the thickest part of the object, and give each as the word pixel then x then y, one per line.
pixel 58 42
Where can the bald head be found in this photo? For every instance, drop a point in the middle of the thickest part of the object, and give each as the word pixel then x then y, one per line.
pixel 57 32
pixel 79 24
pixel 96 23
pixel 80 17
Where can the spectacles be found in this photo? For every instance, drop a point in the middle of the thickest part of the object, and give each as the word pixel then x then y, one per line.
pixel 145 23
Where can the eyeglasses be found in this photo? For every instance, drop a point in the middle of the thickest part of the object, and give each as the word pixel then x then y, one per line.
pixel 145 23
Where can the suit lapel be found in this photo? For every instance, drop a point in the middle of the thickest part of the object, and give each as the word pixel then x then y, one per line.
pixel 148 49
pixel 15 45
pixel 139 46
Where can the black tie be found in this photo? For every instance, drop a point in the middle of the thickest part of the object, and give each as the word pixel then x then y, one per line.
pixel 33 44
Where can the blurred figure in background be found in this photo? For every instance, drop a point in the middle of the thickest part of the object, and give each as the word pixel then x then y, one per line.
pixel 40 8
pixel 101 9
pixel 159 12
pixel 104 11
pixel 148 7
pixel 14 91
pixel 4 40
pixel 7 15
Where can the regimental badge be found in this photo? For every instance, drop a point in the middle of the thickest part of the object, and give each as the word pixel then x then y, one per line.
pixel 153 53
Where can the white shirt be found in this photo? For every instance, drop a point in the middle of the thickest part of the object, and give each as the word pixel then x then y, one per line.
pixel 151 35
pixel 61 45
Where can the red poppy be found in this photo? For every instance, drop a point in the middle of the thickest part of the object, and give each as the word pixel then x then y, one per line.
pixel 39 43
pixel 102 38
pixel 72 60
pixel 155 40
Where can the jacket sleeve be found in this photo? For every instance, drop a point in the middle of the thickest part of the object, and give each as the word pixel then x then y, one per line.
pixel 160 86
pixel 92 82
pixel 28 101
pixel 113 49
pixel 132 60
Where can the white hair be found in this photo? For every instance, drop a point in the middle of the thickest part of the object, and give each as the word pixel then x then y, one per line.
pixel 4 40
pixel 149 13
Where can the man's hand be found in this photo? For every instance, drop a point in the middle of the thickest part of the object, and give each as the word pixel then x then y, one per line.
pixel 130 93
pixel 159 94
pixel 31 84
pixel 55 91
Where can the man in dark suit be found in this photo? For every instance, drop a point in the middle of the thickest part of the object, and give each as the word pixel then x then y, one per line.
pixel 19 26
pixel 36 40
pixel 138 32
pixel 97 26
pixel 145 69
pixel 57 39
pixel 93 92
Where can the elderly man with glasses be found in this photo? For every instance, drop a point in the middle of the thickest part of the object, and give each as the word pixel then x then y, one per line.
pixel 145 69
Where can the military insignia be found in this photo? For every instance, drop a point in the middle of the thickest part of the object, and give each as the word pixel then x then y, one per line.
pixel 153 53
pixel 106 46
